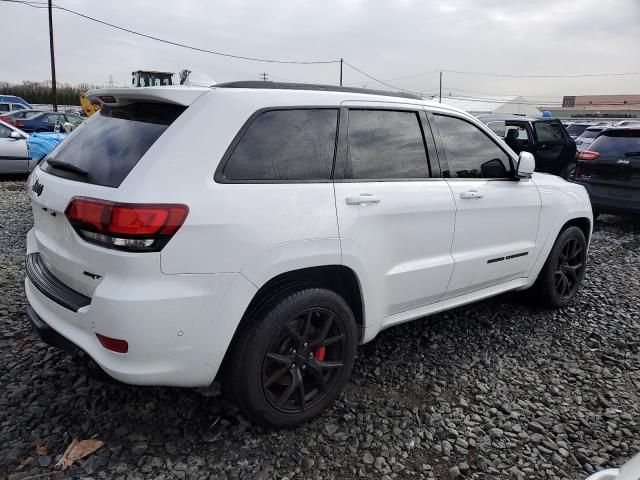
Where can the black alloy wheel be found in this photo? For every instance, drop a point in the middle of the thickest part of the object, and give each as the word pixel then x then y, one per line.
pixel 571 262
pixel 292 355
pixel 559 280
pixel 303 361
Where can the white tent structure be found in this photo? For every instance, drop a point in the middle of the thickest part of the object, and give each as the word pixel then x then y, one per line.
pixel 484 105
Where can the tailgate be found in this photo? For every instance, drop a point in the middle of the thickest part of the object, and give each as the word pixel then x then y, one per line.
pixel 76 263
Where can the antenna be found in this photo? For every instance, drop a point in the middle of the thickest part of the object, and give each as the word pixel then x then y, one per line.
pixel 264 76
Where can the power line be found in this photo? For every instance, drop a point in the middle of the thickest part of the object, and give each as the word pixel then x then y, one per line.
pixel 169 42
pixel 380 81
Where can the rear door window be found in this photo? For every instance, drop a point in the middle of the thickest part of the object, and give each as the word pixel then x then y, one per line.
pixel 107 147
pixel 285 145
pixel 385 144
pixel 549 132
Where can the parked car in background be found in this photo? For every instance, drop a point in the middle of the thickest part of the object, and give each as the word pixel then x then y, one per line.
pixel 14 154
pixel 575 129
pixel 318 217
pixel 610 171
pixel 547 139
pixel 46 121
pixel 10 103
pixel 589 135
pixel 19 115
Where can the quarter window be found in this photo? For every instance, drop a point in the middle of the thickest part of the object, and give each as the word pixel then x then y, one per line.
pixel 385 144
pixel 286 145
pixel 470 152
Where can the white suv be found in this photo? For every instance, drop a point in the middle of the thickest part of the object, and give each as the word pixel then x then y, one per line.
pixel 259 232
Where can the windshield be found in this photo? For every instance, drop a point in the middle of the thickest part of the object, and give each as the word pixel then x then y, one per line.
pixel 617 142
pixel 106 148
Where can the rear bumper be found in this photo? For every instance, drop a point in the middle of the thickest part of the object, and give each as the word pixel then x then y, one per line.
pixel 178 327
pixel 613 199
pixel 53 338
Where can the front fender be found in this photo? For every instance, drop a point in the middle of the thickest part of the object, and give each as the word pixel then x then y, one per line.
pixel 561 202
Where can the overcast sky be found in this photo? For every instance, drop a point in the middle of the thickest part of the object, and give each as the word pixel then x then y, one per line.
pixel 386 38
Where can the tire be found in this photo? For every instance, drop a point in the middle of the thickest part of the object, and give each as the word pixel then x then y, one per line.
pixel 569 171
pixel 561 276
pixel 273 356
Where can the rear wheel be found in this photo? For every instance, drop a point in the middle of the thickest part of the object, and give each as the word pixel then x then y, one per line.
pixel 293 357
pixel 569 171
pixel 562 274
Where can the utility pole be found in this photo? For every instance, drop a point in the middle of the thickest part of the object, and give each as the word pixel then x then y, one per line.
pixel 440 86
pixel 53 60
pixel 264 76
pixel 341 62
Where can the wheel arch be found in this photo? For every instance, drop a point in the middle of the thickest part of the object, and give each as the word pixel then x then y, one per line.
pixel 338 278
pixel 583 223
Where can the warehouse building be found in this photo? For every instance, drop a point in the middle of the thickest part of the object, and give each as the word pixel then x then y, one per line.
pixel 597 106
pixel 484 105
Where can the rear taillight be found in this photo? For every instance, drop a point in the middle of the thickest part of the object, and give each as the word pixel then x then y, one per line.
pixel 134 227
pixel 587 155
pixel 17 123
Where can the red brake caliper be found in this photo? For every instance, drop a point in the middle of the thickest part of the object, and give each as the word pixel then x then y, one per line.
pixel 319 353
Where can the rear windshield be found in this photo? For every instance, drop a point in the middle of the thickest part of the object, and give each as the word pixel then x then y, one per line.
pixel 618 142
pixel 591 133
pixel 576 129
pixel 106 148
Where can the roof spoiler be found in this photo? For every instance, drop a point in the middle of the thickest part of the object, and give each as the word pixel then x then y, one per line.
pixel 118 97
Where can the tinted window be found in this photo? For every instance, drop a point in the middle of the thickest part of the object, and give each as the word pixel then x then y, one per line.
pixel 617 142
pixel 549 132
pixel 4 107
pixel 286 145
pixel 5 132
pixel 576 129
pixel 385 144
pixel 470 152
pixel 17 106
pixel 112 141
pixel 591 133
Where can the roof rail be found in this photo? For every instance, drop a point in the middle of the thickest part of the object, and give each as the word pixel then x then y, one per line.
pixel 258 84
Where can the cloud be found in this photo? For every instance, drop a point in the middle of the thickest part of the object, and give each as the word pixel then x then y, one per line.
pixel 388 39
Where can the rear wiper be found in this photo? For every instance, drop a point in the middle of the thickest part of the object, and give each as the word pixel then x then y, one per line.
pixel 632 154
pixel 60 165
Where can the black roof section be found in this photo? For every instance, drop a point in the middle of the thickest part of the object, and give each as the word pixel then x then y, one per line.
pixel 257 84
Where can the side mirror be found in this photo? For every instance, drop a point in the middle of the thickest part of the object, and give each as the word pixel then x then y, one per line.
pixel 526 165
pixel 15 135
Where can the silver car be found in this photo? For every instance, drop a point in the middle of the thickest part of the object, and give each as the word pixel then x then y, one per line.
pixel 14 154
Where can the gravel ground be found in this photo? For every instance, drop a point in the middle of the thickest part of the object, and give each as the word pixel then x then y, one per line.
pixel 498 389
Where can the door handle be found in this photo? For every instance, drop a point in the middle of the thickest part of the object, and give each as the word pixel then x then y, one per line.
pixel 362 199
pixel 470 194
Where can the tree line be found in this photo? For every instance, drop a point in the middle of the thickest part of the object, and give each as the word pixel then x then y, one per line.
pixel 42 93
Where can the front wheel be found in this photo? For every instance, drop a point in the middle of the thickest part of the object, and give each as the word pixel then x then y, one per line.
pixel 562 273
pixel 293 357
